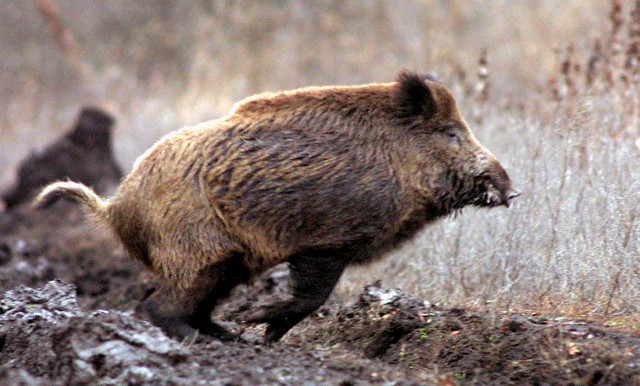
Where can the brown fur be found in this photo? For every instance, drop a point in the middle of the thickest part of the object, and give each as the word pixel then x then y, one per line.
pixel 321 177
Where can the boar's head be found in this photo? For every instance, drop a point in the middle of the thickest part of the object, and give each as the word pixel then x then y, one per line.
pixel 456 170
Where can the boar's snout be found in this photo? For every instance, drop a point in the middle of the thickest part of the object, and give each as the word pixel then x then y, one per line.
pixel 513 193
pixel 499 190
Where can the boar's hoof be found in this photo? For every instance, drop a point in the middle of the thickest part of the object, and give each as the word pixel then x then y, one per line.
pixel 213 329
pixel 181 327
pixel 280 317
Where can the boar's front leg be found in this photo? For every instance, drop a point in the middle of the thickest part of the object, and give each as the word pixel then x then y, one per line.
pixel 313 277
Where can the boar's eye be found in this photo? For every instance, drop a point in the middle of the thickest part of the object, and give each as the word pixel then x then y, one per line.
pixel 452 135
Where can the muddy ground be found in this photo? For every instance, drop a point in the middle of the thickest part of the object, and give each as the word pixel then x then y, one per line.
pixel 92 331
pixel 70 315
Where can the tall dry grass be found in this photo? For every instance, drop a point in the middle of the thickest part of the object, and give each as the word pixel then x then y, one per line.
pixel 550 86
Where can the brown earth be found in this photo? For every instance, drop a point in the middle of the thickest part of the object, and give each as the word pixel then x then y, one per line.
pixel 69 315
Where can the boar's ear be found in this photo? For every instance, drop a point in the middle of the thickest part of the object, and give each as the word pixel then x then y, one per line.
pixel 413 96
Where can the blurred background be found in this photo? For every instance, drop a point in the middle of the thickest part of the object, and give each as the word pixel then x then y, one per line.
pixel 550 86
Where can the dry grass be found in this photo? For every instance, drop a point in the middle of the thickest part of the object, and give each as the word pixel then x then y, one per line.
pixel 555 97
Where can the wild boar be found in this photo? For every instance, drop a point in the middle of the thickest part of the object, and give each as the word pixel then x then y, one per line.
pixel 319 177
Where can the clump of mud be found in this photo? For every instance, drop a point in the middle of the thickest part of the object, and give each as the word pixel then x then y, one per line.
pixel 44 333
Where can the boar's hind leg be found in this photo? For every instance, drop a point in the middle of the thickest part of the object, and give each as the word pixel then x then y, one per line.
pixel 219 280
pixel 180 316
pixel 313 277
pixel 166 313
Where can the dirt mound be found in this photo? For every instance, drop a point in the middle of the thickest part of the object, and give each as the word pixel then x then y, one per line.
pixel 82 155
pixel 479 348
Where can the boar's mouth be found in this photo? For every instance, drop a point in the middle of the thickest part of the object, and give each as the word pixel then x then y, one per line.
pixel 481 191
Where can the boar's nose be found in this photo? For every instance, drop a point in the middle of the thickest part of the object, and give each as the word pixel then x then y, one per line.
pixel 510 195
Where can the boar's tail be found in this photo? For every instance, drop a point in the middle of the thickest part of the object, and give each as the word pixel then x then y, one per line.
pixel 93 204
